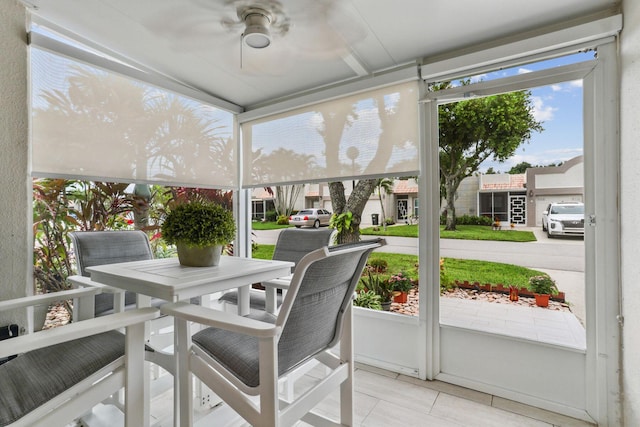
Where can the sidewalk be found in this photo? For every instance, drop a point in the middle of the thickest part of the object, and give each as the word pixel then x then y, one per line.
pixel 534 323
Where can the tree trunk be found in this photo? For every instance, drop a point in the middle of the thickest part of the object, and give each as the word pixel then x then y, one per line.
pixel 355 204
pixel 384 223
pixel 141 202
pixel 451 186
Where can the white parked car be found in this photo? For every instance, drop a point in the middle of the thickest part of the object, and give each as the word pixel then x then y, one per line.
pixel 564 219
pixel 310 218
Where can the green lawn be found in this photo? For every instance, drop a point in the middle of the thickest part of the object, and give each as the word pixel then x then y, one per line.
pixel 466 232
pixel 257 225
pixel 456 269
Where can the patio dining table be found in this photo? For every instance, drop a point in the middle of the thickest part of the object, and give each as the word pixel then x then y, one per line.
pixel 168 280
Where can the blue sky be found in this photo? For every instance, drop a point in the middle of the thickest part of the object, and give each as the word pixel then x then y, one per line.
pixel 559 108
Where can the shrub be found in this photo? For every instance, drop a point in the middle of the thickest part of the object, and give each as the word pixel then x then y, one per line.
pixel 445 281
pixel 468 220
pixel 389 221
pixel 270 216
pixel 283 220
pixel 378 265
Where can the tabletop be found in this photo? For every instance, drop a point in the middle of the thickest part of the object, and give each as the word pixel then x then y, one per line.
pixel 168 280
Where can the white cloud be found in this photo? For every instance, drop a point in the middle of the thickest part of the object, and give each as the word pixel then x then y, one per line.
pixel 478 78
pixel 542 158
pixel 542 112
pixel 524 70
pixel 567 86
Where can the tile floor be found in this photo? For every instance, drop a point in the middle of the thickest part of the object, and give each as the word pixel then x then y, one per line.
pixel 386 399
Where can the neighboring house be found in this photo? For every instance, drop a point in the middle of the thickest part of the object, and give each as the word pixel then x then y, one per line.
pixel 521 198
pixel 553 184
pixel 400 206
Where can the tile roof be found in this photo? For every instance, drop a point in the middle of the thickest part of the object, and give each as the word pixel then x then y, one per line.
pixel 516 182
pixel 405 186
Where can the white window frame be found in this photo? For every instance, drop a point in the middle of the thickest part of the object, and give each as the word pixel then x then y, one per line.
pixel 601 145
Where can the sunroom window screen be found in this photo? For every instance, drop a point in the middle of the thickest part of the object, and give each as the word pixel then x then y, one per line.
pixel 367 134
pixel 88 123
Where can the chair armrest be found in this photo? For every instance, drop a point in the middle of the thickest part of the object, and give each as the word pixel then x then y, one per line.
pixel 72 331
pixel 86 282
pixel 47 298
pixel 279 283
pixel 220 319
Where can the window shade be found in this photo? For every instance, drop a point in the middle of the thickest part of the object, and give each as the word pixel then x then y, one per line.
pixel 367 134
pixel 88 123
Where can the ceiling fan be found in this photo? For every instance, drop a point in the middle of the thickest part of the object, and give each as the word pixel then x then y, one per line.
pixel 261 35
pixel 259 21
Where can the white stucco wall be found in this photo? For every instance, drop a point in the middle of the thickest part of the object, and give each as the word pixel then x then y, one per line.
pixel 630 207
pixel 15 221
pixel 573 177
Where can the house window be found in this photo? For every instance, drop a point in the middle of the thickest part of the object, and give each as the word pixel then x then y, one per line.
pixel 494 205
pixel 415 207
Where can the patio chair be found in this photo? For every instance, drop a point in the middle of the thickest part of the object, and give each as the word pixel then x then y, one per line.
pixel 292 245
pixel 61 373
pixel 108 247
pixel 93 248
pixel 241 357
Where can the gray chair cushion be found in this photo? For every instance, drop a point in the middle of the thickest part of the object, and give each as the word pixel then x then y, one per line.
pixel 236 352
pixel 313 324
pixel 109 247
pixel 38 376
pixel 292 245
pixel 257 299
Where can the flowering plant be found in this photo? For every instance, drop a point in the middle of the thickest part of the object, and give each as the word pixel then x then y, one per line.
pixel 400 282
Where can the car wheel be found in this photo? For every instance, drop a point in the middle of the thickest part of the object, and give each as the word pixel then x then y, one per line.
pixel 543 227
pixel 316 224
pixel 549 235
pixel 298 226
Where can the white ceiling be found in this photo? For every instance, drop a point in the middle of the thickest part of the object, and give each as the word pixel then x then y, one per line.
pixel 185 39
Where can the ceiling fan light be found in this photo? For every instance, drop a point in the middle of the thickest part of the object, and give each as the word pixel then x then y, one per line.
pixel 256 33
pixel 257 37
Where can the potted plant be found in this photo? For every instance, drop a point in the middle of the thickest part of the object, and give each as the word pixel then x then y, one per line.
pixel 367 299
pixel 400 285
pixel 199 230
pixel 542 287
pixel 379 286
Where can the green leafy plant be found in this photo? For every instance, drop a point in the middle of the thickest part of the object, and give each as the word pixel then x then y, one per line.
pixel 199 224
pixel 542 284
pixel 342 223
pixel 368 299
pixel 379 285
pixel 283 220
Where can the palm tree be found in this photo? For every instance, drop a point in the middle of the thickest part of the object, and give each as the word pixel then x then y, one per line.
pixel 386 185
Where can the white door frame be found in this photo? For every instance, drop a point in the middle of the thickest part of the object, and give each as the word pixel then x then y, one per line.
pixel 595 395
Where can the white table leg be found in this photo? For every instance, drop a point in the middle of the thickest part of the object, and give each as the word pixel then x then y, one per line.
pixel 243 300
